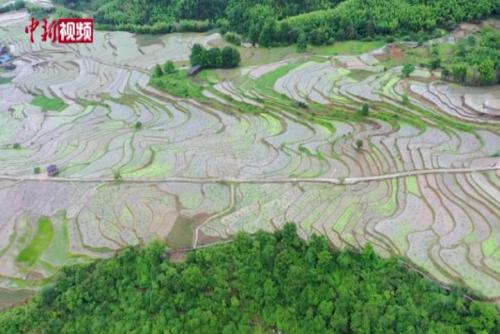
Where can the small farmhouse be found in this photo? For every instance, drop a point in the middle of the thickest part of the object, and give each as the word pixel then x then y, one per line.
pixel 194 70
pixel 52 170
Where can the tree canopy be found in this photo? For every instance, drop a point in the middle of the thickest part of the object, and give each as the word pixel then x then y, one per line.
pixel 277 22
pixel 256 284
pixel 228 57
pixel 474 61
pixel 10 6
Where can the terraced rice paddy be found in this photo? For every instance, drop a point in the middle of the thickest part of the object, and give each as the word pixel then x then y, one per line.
pixel 425 184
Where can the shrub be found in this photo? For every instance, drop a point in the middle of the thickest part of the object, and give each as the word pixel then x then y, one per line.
pixel 435 62
pixel 16 146
pixel 38 12
pixel 62 12
pixel 117 175
pixel 365 110
pixel 138 125
pixel 193 26
pixel 233 38
pixel 406 100
pixel 37 170
pixel 223 25
pixel 359 144
pixel 301 104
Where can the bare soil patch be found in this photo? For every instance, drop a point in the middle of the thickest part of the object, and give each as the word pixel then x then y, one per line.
pixel 396 52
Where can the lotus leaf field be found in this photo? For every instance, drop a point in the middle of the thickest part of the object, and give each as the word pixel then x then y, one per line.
pixel 268 143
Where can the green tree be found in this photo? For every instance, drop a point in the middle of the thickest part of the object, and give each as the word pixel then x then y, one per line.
pixel 435 63
pixel 318 36
pixel 483 317
pixel 157 71
pixel 301 42
pixel 459 72
pixel 487 71
pixel 407 70
pixel 325 309
pixel 169 67
pixel 269 32
pixel 435 58
pixel 214 57
pixel 197 55
pixel 254 34
pixel 230 57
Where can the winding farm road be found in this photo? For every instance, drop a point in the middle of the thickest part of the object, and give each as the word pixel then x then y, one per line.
pixel 334 180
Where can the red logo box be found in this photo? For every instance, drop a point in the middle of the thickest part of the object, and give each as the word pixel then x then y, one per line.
pixel 75 30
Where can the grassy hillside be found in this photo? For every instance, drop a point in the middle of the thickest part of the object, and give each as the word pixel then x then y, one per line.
pixel 256 284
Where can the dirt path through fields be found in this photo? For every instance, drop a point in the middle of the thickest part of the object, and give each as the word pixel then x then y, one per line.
pixel 340 181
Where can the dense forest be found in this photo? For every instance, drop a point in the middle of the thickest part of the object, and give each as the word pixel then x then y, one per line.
pixel 278 22
pixel 266 283
pixel 474 61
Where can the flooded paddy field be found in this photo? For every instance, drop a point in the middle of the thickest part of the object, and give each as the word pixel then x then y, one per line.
pixel 270 143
